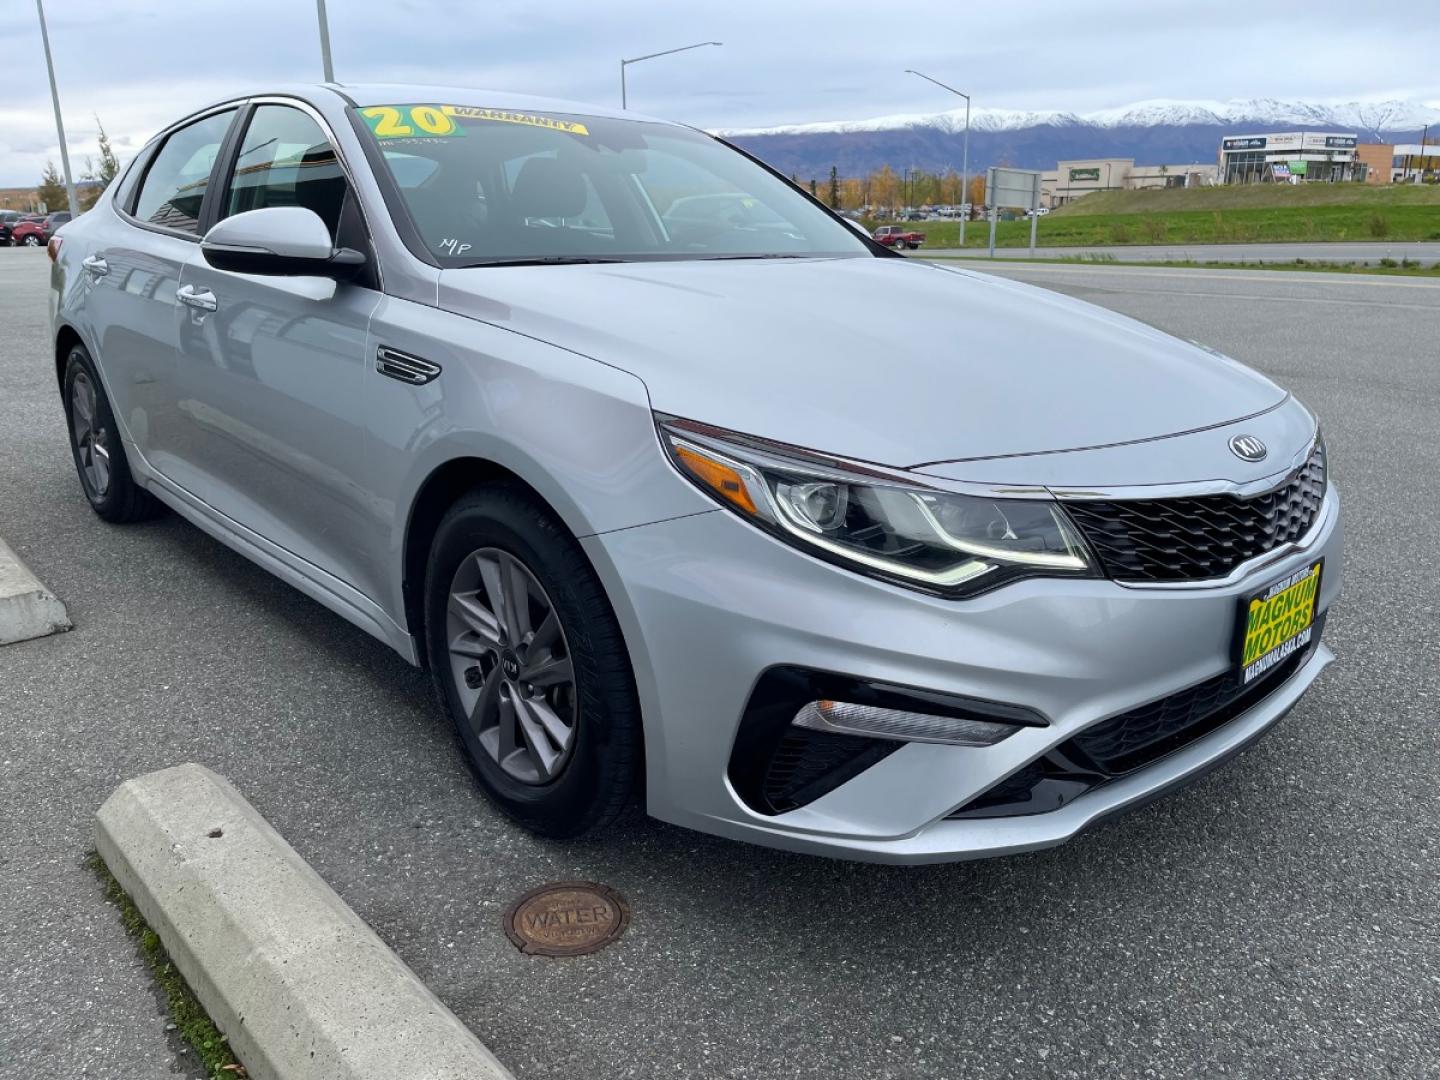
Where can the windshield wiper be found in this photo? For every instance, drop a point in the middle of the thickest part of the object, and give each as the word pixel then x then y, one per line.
pixel 541 260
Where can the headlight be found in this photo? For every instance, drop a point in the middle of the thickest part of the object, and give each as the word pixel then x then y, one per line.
pixel 908 533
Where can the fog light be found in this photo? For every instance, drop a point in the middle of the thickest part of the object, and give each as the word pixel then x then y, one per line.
pixel 845 718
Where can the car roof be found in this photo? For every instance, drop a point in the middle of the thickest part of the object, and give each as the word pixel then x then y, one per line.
pixel 365 94
pixel 412 93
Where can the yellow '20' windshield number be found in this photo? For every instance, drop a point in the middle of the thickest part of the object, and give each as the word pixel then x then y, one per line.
pixel 390 122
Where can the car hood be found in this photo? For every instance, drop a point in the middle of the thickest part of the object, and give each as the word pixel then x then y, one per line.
pixel 891 361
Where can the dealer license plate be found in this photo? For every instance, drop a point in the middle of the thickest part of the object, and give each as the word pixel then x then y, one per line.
pixel 1278 620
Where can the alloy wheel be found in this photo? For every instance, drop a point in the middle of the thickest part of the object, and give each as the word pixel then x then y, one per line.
pixel 92 440
pixel 511 666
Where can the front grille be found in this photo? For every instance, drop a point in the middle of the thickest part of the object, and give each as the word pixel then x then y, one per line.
pixel 1200 537
pixel 1135 738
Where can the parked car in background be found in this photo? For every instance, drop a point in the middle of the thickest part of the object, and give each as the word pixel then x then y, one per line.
pixel 27 233
pixel 37 230
pixel 897 236
pixel 8 220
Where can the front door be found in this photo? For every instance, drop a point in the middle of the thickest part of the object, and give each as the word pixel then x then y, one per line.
pixel 272 368
pixel 131 278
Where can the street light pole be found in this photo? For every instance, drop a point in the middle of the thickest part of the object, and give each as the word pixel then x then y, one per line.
pixel 59 123
pixel 624 100
pixel 965 159
pixel 325 41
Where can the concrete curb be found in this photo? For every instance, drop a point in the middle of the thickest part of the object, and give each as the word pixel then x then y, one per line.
pixel 27 609
pixel 300 985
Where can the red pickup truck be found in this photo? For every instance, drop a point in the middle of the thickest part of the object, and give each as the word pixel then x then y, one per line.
pixel 897 236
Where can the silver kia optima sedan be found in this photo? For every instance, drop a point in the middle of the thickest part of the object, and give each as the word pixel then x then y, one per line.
pixel 683 490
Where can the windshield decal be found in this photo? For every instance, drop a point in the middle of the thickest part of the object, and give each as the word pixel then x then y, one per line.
pixel 470 112
pixel 410 122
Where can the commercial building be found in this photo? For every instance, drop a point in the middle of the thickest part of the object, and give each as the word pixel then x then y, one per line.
pixel 1403 163
pixel 1074 179
pixel 1288 155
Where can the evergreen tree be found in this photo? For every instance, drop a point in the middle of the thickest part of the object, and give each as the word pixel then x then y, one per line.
pixel 101 177
pixel 51 190
pixel 813 190
pixel 834 189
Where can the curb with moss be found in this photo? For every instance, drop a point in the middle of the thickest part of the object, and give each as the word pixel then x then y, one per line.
pixel 192 1022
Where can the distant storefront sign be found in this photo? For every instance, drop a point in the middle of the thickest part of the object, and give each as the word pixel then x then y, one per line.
pixel 1280 171
pixel 1252 142
pixel 1299 168
pixel 1084 174
pixel 1341 142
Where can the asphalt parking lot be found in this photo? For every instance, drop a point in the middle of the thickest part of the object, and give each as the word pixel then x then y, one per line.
pixel 1279 918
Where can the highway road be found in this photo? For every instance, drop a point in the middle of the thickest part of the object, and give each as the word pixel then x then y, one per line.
pixel 1276 919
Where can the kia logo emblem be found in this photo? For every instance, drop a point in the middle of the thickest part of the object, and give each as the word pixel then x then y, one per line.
pixel 1247 447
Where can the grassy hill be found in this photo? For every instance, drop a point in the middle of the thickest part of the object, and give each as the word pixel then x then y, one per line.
pixel 1248 213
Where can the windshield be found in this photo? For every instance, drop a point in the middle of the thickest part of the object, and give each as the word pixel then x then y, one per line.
pixel 488 185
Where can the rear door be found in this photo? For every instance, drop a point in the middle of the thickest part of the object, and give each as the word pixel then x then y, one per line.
pixel 133 272
pixel 272 373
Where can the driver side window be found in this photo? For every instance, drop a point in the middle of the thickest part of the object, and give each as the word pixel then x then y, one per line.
pixel 286 160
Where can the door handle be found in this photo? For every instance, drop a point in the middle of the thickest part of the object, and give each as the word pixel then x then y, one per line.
pixel 96 265
pixel 204 299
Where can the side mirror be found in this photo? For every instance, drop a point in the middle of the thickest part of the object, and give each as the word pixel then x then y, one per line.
pixel 288 241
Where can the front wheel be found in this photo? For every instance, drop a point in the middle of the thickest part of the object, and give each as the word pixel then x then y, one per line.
pixel 31 240
pixel 528 661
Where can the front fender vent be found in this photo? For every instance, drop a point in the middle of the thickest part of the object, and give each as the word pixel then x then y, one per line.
pixel 406 368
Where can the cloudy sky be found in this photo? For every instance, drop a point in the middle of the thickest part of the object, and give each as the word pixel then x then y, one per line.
pixel 139 63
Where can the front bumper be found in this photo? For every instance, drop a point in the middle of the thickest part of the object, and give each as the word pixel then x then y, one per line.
pixel 708 603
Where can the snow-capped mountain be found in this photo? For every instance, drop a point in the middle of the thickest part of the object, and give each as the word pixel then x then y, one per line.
pixel 1369 117
pixel 1152 132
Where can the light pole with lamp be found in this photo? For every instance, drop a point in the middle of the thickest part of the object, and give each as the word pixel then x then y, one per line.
pixel 624 101
pixel 965 160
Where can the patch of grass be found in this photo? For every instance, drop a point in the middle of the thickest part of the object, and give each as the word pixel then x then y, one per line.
pixel 1246 213
pixel 191 1020
pixel 1226 197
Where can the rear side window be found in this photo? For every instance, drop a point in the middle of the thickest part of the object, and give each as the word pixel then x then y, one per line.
pixel 286 160
pixel 174 186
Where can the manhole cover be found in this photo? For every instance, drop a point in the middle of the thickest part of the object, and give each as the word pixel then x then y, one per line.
pixel 567 918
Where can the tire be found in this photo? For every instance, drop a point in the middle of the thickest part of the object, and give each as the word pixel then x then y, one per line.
pixel 31 240
pixel 486 535
pixel 97 448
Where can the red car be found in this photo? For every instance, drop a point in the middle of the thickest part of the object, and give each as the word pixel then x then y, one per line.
pixel 37 233
pixel 897 236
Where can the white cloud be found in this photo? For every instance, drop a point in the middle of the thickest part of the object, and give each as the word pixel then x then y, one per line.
pixel 140 63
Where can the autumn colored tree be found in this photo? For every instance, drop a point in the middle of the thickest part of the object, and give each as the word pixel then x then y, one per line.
pixel 976 197
pixel 950 192
pixel 51 190
pixel 885 188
